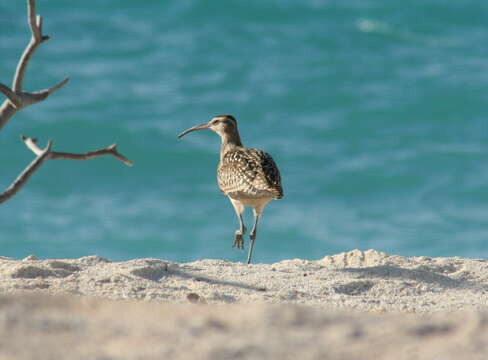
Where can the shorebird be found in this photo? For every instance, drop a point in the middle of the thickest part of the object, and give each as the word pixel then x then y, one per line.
pixel 249 177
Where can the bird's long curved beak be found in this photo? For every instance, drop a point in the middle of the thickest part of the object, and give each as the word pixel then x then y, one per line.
pixel 198 127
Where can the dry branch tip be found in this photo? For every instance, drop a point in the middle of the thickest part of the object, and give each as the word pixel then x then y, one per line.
pixel 25 138
pixel 48 147
pixel 58 86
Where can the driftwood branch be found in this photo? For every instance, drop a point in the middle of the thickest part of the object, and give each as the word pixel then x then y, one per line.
pixel 31 143
pixel 47 154
pixel 16 98
pixel 26 174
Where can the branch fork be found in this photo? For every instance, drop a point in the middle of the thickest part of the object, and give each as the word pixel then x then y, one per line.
pixel 16 97
pixel 31 144
pixel 47 154
pixel 27 173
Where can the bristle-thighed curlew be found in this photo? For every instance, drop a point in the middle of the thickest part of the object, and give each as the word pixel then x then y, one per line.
pixel 249 177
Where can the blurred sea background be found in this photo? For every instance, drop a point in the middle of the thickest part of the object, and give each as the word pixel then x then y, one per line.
pixel 375 111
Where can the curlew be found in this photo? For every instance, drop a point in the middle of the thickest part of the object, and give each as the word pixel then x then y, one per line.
pixel 249 177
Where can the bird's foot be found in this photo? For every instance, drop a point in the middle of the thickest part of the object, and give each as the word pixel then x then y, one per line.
pixel 238 241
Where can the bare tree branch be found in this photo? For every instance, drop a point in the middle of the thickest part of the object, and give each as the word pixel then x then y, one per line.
pixel 31 17
pixel 17 99
pixel 26 174
pixel 35 24
pixel 47 154
pixel 31 143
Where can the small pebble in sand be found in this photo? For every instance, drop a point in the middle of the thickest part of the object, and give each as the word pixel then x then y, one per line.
pixel 195 298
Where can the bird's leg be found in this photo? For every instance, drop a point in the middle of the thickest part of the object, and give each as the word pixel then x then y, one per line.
pixel 238 239
pixel 257 214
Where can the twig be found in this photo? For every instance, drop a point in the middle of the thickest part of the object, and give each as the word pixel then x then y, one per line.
pixel 31 143
pixel 35 24
pixel 27 173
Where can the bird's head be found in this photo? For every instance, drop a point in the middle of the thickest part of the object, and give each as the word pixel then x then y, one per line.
pixel 221 124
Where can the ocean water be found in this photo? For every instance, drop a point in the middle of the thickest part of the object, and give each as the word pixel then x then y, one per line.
pixel 375 112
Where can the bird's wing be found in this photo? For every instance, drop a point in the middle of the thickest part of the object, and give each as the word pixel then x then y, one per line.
pixel 271 173
pixel 249 173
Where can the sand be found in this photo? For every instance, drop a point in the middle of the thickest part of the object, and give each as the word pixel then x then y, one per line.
pixel 354 305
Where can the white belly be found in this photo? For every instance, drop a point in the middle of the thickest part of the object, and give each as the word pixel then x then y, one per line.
pixel 254 202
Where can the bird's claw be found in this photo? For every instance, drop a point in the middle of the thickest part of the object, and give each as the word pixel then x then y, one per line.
pixel 238 242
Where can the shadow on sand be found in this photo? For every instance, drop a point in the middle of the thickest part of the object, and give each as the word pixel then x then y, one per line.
pixel 420 274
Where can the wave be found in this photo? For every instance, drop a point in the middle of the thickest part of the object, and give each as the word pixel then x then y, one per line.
pixel 381 28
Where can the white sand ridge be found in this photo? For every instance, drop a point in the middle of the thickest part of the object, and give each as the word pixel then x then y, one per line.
pixel 364 304
pixel 368 280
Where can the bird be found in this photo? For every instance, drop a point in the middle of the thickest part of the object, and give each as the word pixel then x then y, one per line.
pixel 249 177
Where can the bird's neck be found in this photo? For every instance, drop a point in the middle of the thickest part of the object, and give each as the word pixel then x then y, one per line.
pixel 230 141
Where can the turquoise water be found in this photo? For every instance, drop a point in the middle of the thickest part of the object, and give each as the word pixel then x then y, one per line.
pixel 375 112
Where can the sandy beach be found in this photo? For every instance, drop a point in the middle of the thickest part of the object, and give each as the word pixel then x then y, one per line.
pixel 353 305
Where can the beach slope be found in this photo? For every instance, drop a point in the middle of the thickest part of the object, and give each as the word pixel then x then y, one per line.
pixel 359 304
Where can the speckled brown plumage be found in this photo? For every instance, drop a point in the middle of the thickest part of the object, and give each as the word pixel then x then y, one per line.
pixel 249 173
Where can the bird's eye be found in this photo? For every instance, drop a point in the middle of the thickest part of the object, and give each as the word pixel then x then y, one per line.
pixel 215 122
